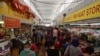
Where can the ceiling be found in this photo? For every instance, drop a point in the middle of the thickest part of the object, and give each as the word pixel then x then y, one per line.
pixel 48 10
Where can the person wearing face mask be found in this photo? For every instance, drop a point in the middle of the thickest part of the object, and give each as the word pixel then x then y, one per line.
pixel 27 51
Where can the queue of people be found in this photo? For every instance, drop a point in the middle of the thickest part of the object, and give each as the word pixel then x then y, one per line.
pixel 56 42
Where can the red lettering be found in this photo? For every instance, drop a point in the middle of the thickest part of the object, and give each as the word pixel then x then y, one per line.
pixel 98 8
pixel 84 12
pixel 93 10
pixel 87 12
pixel 90 11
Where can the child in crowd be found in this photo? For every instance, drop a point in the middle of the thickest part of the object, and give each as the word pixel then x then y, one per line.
pixel 27 51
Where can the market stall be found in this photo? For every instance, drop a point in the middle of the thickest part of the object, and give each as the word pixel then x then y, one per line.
pixel 6 33
pixel 86 21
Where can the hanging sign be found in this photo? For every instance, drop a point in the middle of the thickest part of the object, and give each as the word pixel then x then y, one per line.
pixel 89 12
pixel 17 6
pixel 6 9
pixel 11 22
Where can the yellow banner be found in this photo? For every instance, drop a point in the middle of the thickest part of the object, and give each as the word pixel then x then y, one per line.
pixel 5 9
pixel 89 12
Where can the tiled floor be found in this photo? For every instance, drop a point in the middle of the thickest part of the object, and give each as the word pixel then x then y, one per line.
pixel 41 51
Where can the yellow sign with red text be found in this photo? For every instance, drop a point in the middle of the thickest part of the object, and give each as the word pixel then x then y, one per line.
pixel 5 9
pixel 89 12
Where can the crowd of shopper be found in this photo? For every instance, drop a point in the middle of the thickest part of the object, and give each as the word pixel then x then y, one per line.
pixel 56 42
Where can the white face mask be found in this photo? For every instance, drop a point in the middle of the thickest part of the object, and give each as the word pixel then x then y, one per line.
pixel 26 49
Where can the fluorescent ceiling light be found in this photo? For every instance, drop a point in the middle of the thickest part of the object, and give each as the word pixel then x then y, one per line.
pixel 79 24
pixel 1 22
pixel 31 6
pixel 47 25
pixel 87 24
pixel 95 24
